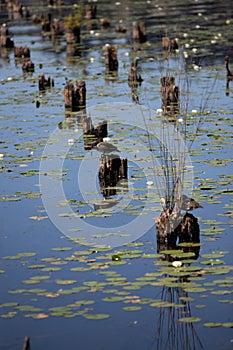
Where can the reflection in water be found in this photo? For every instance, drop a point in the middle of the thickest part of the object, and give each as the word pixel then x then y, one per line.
pixel 175 329
pixel 172 334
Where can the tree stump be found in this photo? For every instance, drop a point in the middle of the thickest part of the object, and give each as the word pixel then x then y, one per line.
pixel 170 96
pixel 111 170
pixel 69 96
pixel 27 65
pixel 73 36
pixel 134 80
pixel 80 95
pixel 139 32
pixel 5 40
pixel 172 225
pixel 170 44
pixel 44 82
pixel 75 99
pixel 110 57
pixel 92 135
pixel 91 11
pixel 21 51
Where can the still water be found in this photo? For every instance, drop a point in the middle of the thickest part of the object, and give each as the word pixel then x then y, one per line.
pixel 59 288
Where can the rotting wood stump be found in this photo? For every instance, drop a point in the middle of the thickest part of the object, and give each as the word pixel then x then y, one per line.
pixel 91 11
pixel 5 40
pixel 44 82
pixel 139 32
pixel 75 99
pixel 27 65
pixel 112 169
pixel 91 135
pixel 170 96
pixel 134 80
pixel 21 51
pixel 110 57
pixel 170 44
pixel 171 226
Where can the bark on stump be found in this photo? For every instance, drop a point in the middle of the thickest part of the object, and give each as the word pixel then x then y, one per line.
pixel 91 11
pixel 5 39
pixel 139 32
pixel 21 51
pixel 134 80
pixel 169 44
pixel 75 99
pixel 92 135
pixel 44 82
pixel 172 225
pixel 110 57
pixel 111 170
pixel 170 96
pixel 27 65
pixel 73 36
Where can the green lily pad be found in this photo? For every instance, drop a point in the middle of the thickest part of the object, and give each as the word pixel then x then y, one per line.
pixel 96 316
pixel 189 319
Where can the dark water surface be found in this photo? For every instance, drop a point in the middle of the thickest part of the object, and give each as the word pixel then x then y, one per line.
pixel 66 294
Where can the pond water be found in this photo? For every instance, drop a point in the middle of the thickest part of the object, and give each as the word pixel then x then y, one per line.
pixel 77 269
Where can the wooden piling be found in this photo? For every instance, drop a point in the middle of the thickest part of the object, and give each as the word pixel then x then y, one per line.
pixel 139 32
pixel 75 98
pixel 172 225
pixel 170 44
pixel 44 82
pixel 111 170
pixel 21 51
pixel 91 11
pixel 170 96
pixel 5 40
pixel 110 57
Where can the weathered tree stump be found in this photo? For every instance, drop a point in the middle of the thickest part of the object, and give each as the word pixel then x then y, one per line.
pixel 46 24
pixel 139 32
pixel 69 95
pixel 134 80
pixel 171 225
pixel 104 22
pixel 80 94
pixel 170 96
pixel 5 40
pixel 170 44
pixel 75 99
pixel 27 66
pixel 110 57
pixel 73 35
pixel 44 82
pixel 91 11
pixel 21 51
pixel 91 135
pixel 111 170
pixel 120 29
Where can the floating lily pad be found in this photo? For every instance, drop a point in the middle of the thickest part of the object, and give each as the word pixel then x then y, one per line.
pixel 96 316
pixel 189 319
pixel 212 324
pixel 132 308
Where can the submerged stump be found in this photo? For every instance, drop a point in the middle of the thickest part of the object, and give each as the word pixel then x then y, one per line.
pixel 170 44
pixel 170 96
pixel 139 32
pixel 5 40
pixel 44 82
pixel 171 226
pixel 91 135
pixel 75 99
pixel 110 57
pixel 111 170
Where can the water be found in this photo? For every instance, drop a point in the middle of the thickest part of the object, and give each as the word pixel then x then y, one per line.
pixel 54 289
